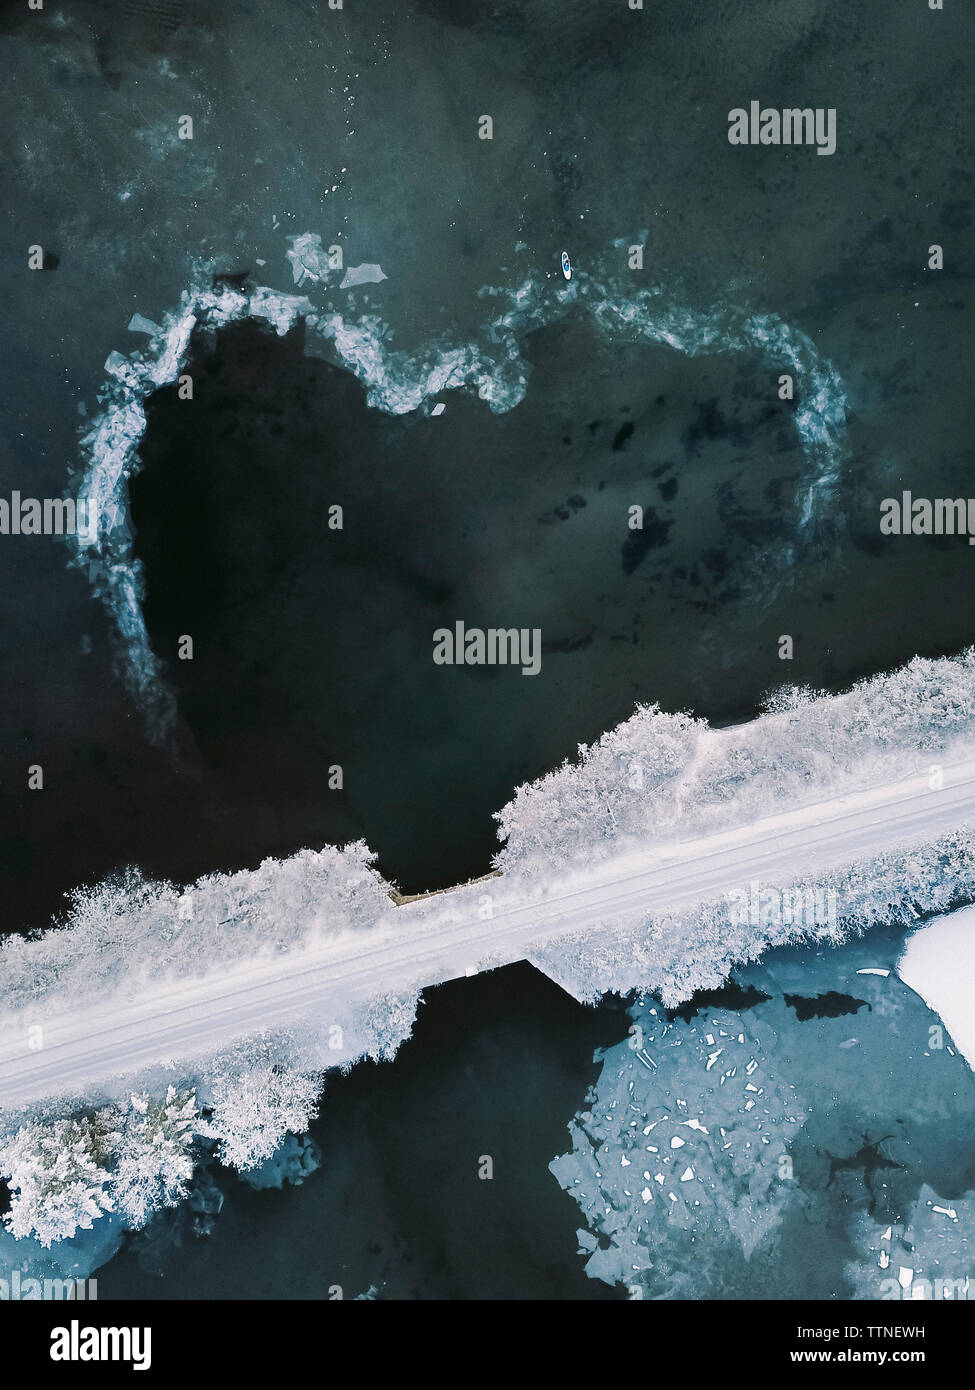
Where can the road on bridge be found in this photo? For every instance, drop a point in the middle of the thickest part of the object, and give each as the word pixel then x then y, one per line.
pixel 444 936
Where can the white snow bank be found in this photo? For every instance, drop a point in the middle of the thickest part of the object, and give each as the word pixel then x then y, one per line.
pixel 939 965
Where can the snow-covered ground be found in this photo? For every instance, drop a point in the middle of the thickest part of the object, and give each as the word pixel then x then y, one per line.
pixel 939 965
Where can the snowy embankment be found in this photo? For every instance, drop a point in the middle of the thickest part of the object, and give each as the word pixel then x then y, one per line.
pixel 619 872
pixel 939 965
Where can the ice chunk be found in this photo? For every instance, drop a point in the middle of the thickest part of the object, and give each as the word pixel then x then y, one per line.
pixel 297 1157
pixel 309 261
pixel 116 365
pixel 282 310
pixel 138 323
pixel 365 274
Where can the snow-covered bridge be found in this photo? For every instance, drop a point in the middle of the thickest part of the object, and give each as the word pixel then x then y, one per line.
pixel 328 986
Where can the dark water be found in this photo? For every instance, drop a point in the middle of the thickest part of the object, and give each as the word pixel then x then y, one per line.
pixel 828 1005
pixel 519 520
pixel 605 124
pixel 361 126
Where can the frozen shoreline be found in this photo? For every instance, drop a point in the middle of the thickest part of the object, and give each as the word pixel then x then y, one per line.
pixel 939 965
pixel 399 383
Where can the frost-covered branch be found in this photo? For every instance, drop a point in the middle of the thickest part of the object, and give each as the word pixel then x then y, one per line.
pixel 668 776
pixel 678 953
pixel 131 1159
pixel 129 931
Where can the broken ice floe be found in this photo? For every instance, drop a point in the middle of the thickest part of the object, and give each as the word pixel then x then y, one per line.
pixel 309 260
pixel 138 323
pixel 365 274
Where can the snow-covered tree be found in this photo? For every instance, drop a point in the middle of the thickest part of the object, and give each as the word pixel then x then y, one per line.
pixel 152 1154
pixel 254 1108
pixel 130 1159
pixel 661 776
pixel 161 932
pixel 57 1178
pixel 387 1022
